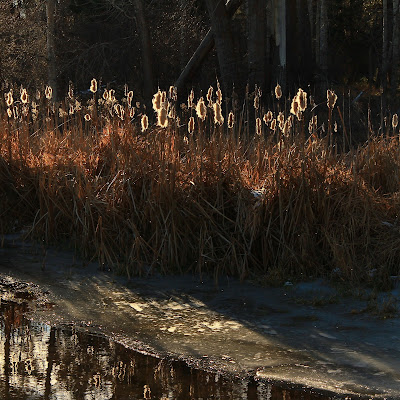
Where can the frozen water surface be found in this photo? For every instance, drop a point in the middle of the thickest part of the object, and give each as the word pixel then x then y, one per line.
pixel 294 334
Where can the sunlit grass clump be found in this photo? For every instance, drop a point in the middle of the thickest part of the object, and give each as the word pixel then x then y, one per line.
pixel 206 186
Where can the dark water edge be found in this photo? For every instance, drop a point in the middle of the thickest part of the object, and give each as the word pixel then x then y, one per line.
pixel 42 362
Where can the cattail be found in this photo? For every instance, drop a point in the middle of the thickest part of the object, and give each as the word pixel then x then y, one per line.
pixel 78 105
pixel 105 95
pixel 157 101
pixel 162 119
pixel 111 96
pixel 331 98
pixel 15 112
pixel 171 111
pixel 48 92
pixel 231 120
pixel 71 92
pixel 93 86
pixel 191 125
pixel 144 122
pixel 395 121
pixel 171 92
pixel 310 126
pixel 268 117
pixel 302 96
pixel 201 109
pixel 294 109
pixel 24 96
pixel 258 126
pixel 163 98
pixel 290 120
pixel 286 127
pixel 71 110
pixel 218 118
pixel 9 112
pixel 278 91
pixel 131 112
pixel 273 124
pixel 281 117
pixel 9 100
pixel 62 113
pixel 129 97
pixel 87 117
pixel 209 96
pixel 256 102
pixel 190 99
pixel 219 95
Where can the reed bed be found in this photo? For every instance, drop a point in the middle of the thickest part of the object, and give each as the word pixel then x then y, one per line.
pixel 260 194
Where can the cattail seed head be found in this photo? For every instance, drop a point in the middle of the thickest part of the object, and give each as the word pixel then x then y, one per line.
pixel 268 117
pixel 191 125
pixel 48 92
pixel 157 101
pixel 162 119
pixel 281 117
pixel 302 96
pixel 71 110
pixel 129 98
pixel 9 112
pixel 171 111
pixel 278 91
pixel 190 99
pixel 231 120
pixel 105 95
pixel 78 105
pixel 331 98
pixel 9 99
pixel 93 86
pixel 273 124
pixel 24 96
pixel 256 102
pixel 201 109
pixel 87 117
pixel 144 122
pixel 294 109
pixel 395 121
pixel 219 95
pixel 209 96
pixel 258 126
pixel 286 127
pixel 71 92
pixel 218 118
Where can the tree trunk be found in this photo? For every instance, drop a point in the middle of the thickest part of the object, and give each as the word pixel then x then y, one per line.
pixel 256 42
pixel 395 56
pixel 144 35
pixel 323 39
pixel 220 24
pixel 51 55
pixel 280 37
pixel 385 46
pixel 204 48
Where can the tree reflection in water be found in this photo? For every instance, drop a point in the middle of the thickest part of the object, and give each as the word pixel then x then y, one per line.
pixel 38 361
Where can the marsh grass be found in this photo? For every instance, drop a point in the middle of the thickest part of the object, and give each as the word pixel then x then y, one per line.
pixel 140 198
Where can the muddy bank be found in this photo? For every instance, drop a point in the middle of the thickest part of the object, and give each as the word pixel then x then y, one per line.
pixel 307 334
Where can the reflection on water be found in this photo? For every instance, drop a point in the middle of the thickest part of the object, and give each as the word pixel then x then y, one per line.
pixel 38 361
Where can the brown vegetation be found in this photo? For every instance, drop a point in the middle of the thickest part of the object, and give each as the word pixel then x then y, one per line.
pixel 281 204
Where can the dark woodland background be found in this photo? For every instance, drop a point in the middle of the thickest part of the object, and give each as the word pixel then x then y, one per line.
pixel 147 43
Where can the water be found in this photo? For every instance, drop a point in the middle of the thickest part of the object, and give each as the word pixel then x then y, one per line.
pixel 42 362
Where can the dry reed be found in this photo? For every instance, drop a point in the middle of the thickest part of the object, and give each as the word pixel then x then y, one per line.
pixel 139 198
